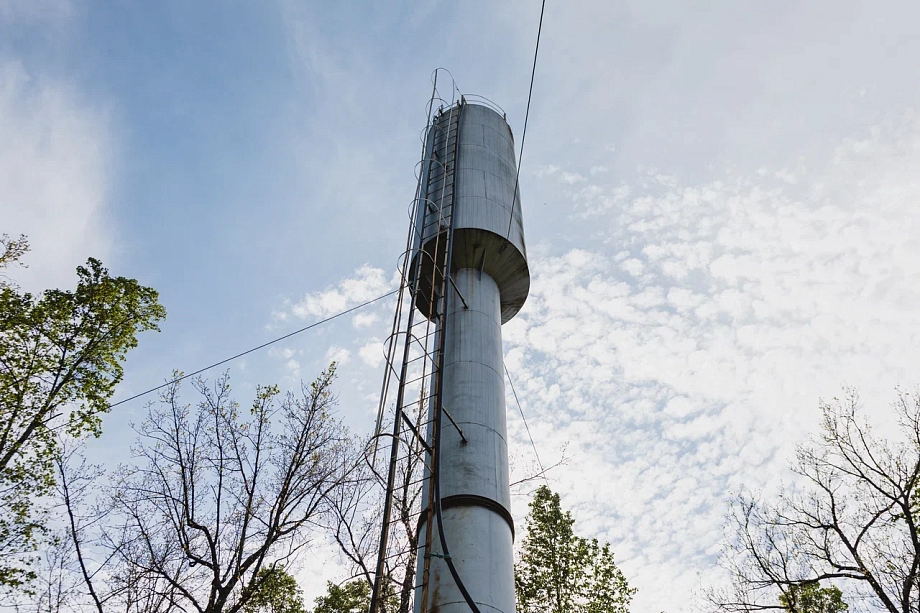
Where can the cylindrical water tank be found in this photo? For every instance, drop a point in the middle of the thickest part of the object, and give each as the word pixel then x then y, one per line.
pixel 471 166
pixel 487 221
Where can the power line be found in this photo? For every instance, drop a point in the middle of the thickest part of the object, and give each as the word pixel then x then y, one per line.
pixel 526 427
pixel 248 351
pixel 533 73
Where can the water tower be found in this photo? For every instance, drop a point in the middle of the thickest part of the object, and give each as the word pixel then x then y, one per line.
pixel 464 274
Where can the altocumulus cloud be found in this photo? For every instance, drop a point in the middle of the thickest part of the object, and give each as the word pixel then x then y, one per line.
pixel 367 283
pixel 681 353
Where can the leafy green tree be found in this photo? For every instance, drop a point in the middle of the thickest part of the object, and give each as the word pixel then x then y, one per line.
pixel 352 597
pixel 561 572
pixel 11 251
pixel 60 360
pixel 812 598
pixel 276 592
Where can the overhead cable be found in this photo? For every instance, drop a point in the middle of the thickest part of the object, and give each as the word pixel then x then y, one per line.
pixel 526 427
pixel 248 351
pixel 533 73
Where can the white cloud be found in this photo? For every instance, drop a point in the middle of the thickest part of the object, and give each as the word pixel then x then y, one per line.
pixel 690 364
pixel 544 171
pixel 365 320
pixel 372 353
pixel 56 153
pixel 367 283
pixel 290 357
pixel 339 355
pixel 572 178
pixel 318 565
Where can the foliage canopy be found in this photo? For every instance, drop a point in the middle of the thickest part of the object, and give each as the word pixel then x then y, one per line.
pixel 60 360
pixel 275 592
pixel 812 598
pixel 561 572
pixel 352 597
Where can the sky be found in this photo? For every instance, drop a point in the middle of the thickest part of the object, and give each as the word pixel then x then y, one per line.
pixel 720 203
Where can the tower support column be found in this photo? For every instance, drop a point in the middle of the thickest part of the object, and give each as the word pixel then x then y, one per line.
pixel 474 483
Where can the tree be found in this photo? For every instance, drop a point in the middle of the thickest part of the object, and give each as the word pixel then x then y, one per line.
pixel 11 251
pixel 63 572
pixel 60 360
pixel 214 497
pixel 278 592
pixel 812 598
pixel 353 597
pixel 355 521
pixel 853 520
pixel 357 509
pixel 214 506
pixel 564 573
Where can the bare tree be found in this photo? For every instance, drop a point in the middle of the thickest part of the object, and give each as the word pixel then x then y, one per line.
pixel 355 523
pixel 77 482
pixel 215 497
pixel 65 569
pixel 854 523
pixel 212 497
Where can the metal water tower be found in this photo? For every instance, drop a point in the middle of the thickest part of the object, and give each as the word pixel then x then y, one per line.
pixel 464 274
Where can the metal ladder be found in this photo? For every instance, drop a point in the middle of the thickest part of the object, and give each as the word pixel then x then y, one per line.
pixel 410 395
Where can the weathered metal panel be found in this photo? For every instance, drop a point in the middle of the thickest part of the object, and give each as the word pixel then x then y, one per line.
pixel 481 549
pixel 474 394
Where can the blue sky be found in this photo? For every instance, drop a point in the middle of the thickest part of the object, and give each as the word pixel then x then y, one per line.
pixel 719 204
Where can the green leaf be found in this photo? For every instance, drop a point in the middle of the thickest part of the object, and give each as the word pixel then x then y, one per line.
pixel 276 592
pixel 812 598
pixel 60 361
pixel 561 572
pixel 352 597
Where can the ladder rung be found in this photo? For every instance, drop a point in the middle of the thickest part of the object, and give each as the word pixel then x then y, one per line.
pixel 417 481
pixel 423 399
pixel 403 552
pixel 415 403
pixel 416 455
pixel 416 380
pixel 414 514
pixel 436 227
pixel 417 358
